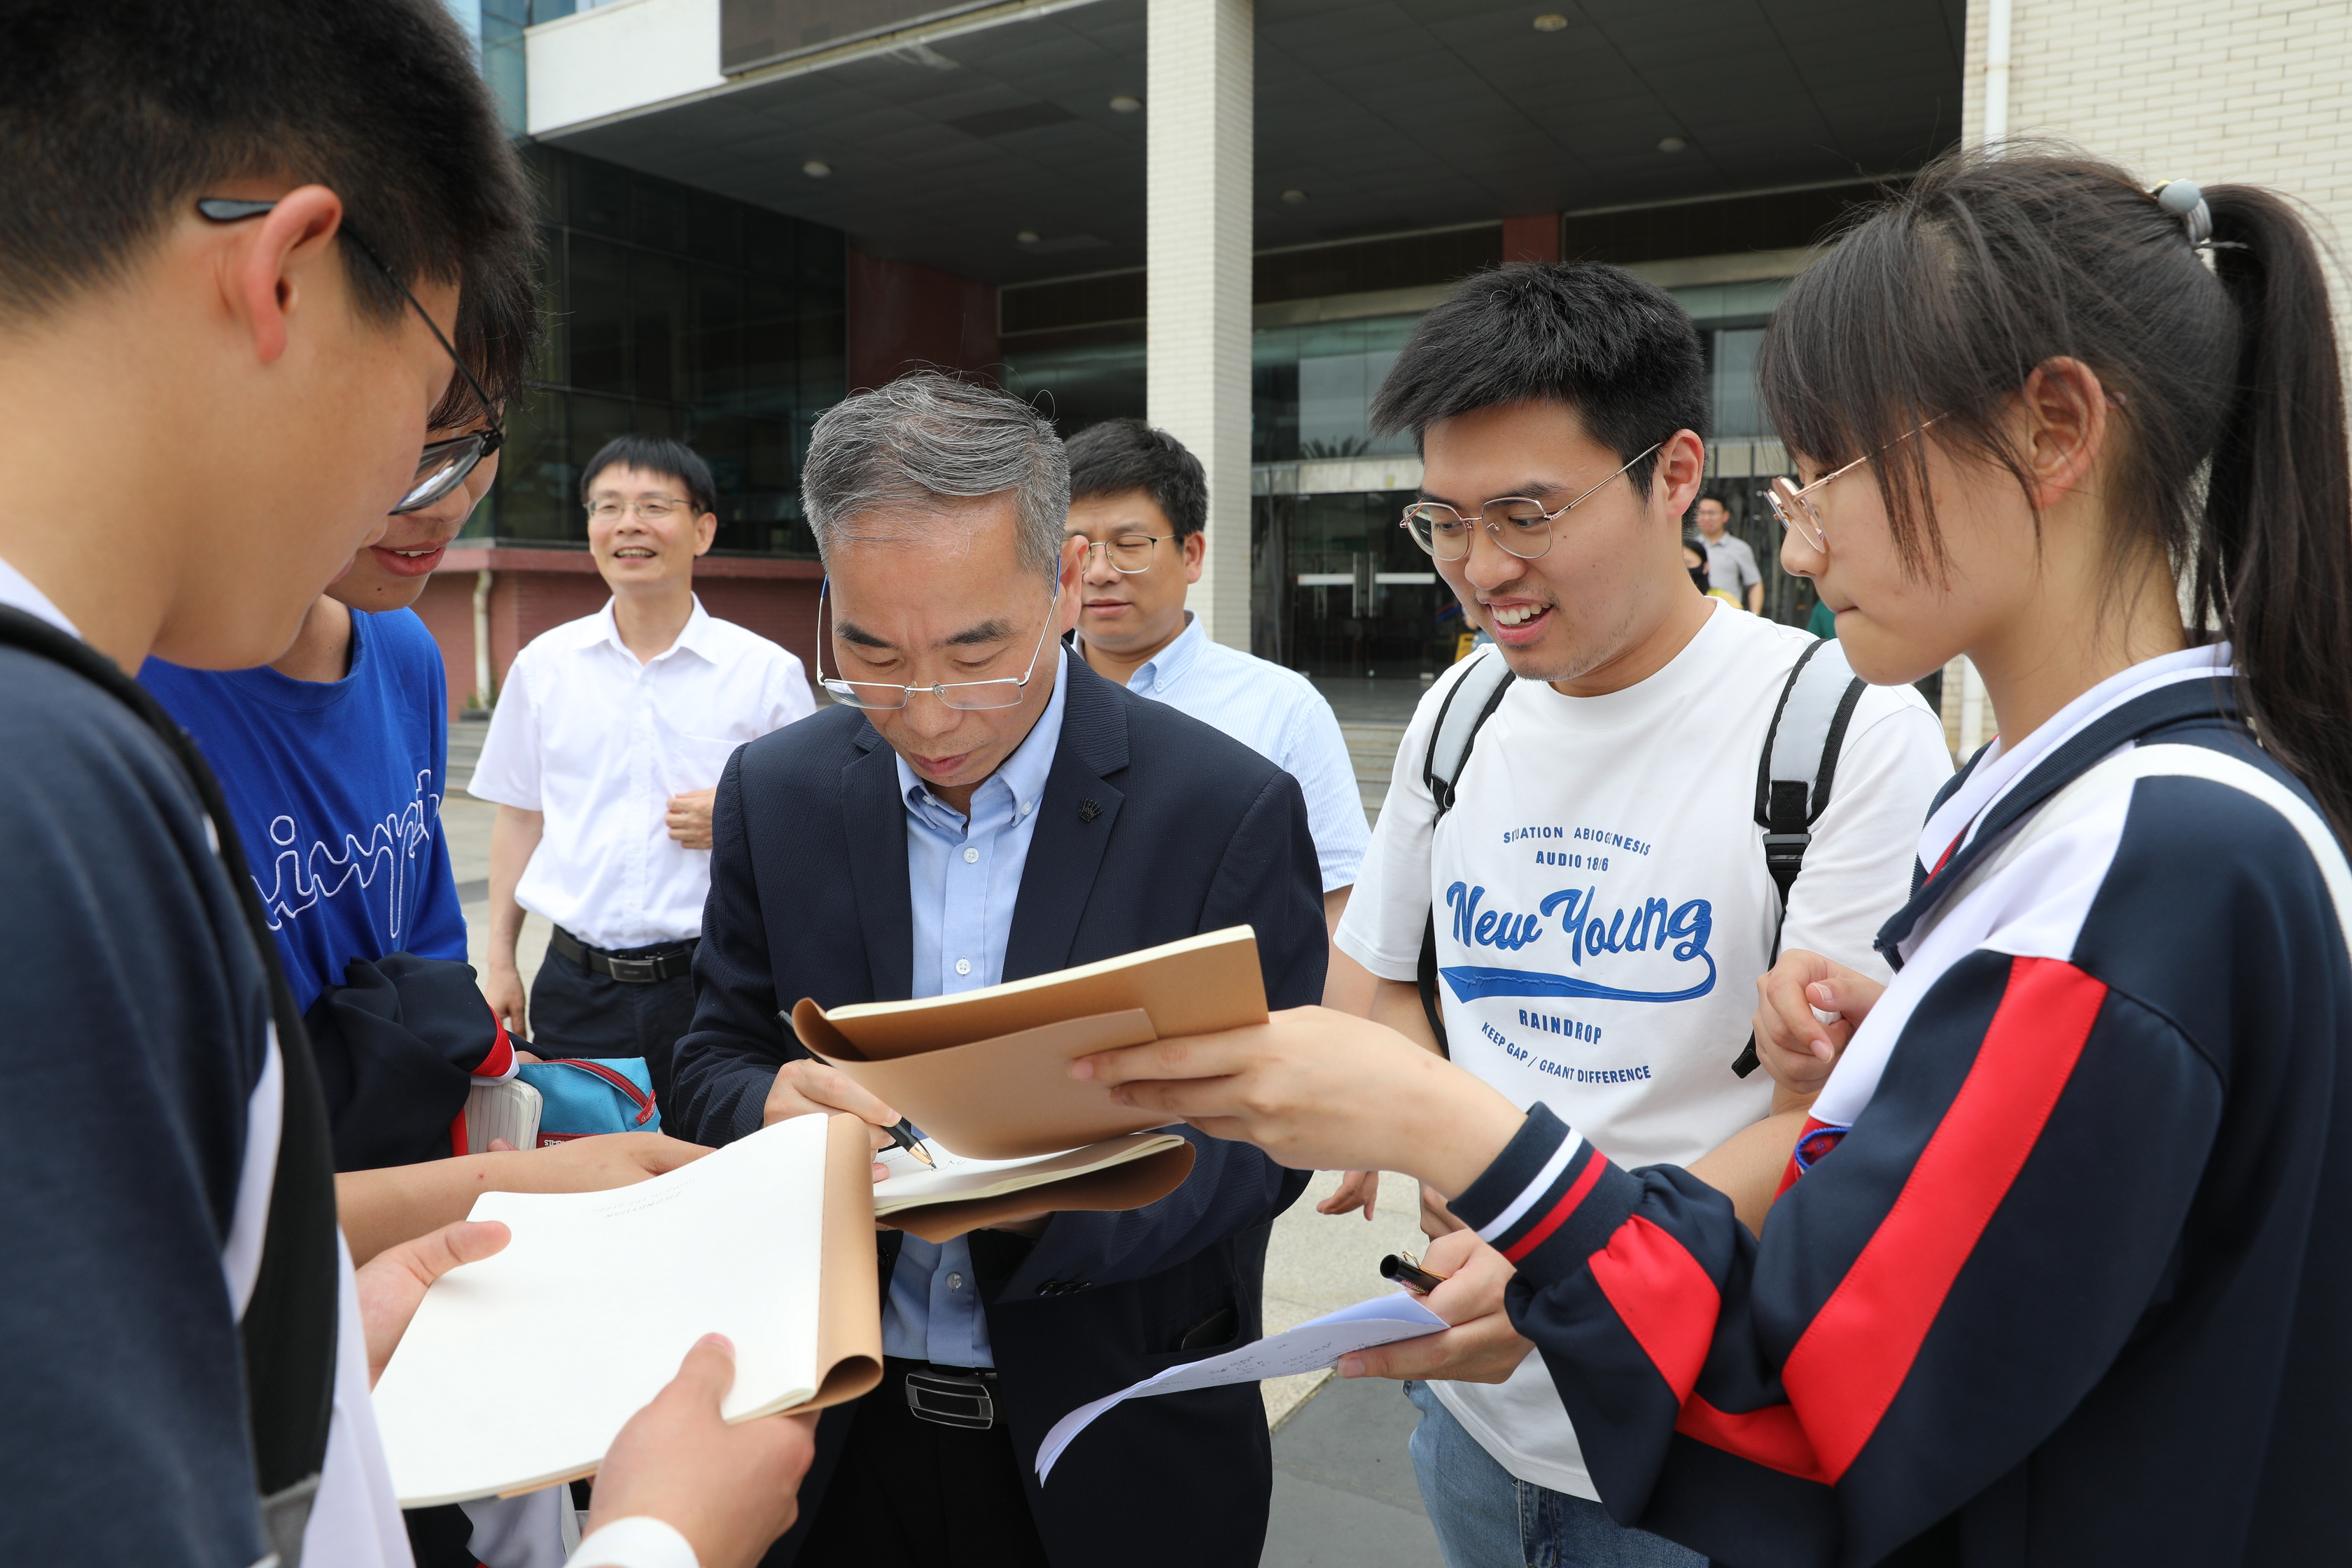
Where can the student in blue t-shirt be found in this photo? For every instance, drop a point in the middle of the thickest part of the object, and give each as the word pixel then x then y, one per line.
pixel 333 757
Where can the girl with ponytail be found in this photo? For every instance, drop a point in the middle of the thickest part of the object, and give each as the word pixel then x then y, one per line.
pixel 2059 1268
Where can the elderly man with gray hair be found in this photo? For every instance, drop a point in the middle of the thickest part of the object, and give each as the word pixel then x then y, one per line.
pixel 980 807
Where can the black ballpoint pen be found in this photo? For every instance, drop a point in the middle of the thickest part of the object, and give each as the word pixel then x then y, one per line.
pixel 1407 1270
pixel 904 1136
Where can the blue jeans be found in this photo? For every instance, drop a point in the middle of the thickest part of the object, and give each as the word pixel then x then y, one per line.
pixel 1487 1518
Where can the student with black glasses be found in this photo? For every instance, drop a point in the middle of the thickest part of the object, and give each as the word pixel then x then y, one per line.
pixel 213 401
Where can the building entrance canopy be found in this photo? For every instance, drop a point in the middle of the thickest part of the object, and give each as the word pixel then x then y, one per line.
pixel 945 140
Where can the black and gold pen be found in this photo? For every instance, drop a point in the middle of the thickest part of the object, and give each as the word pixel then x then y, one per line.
pixel 1405 1269
pixel 904 1136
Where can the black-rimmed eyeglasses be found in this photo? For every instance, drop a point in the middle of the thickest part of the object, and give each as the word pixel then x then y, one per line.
pixel 442 466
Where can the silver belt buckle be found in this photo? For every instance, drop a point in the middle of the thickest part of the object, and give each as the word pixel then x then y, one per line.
pixel 634 970
pixel 950 1399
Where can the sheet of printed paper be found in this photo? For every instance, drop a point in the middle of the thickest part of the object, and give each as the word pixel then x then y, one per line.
pixel 957 1176
pixel 1310 1347
pixel 523 1367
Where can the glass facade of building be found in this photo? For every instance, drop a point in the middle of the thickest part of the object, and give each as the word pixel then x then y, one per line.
pixel 680 313
pixel 1340 589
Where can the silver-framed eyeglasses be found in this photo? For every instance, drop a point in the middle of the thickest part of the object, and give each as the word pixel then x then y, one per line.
pixel 968 694
pixel 652 509
pixel 1520 524
pixel 442 466
pixel 1794 504
pixel 1130 553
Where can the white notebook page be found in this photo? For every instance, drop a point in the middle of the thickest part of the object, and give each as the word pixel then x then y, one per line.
pixel 522 1368
pixel 957 1177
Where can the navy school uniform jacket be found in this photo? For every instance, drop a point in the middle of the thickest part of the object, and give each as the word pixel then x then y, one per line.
pixel 1192 832
pixel 2067 1275
pixel 134 1013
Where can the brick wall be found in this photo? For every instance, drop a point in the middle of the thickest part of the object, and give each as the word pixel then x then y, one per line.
pixel 2219 92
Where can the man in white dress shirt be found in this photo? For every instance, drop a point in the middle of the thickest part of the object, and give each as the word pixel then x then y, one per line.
pixel 602 754
pixel 1140 502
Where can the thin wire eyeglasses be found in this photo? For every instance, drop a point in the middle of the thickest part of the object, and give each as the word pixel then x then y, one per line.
pixel 1522 527
pixel 975 695
pixel 442 466
pixel 1130 553
pixel 1793 504
pixel 652 509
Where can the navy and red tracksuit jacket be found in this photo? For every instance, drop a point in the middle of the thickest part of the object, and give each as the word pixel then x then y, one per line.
pixel 2067 1277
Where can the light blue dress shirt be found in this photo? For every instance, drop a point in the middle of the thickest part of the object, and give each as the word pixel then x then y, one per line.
pixel 1278 714
pixel 964 877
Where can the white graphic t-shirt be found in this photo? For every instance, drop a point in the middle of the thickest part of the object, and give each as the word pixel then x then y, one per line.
pixel 1602 912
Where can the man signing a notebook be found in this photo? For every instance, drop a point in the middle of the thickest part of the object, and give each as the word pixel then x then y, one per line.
pixel 979 806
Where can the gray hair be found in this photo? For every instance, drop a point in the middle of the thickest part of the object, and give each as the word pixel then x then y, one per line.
pixel 922 442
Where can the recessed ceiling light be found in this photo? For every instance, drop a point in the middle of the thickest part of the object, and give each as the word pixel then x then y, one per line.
pixel 1126 103
pixel 1550 22
pixel 816 168
pixel 1293 198
pixel 1027 237
pixel 1670 145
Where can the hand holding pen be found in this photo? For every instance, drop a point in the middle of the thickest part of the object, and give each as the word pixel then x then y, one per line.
pixel 905 1137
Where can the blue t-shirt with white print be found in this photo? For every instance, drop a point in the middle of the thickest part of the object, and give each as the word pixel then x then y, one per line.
pixel 336 788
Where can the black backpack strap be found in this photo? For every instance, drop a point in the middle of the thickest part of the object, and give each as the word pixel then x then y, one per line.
pixel 1467 708
pixel 1795 771
pixel 289 1331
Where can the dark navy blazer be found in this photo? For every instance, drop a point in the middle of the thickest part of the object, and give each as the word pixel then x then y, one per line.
pixel 1190 832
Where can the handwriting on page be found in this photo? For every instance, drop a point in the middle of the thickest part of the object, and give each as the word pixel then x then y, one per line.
pixel 1310 1347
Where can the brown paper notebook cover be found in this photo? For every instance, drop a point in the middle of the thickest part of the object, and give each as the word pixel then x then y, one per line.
pixel 986 1072
pixel 478 1402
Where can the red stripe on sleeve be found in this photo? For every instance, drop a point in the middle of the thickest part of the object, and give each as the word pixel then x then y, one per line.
pixel 500 1060
pixel 1665 1299
pixel 1561 1210
pixel 1854 1355
pixel 1789 1176
pixel 1771 1437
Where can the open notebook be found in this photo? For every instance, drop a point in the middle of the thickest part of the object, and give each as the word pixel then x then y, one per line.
pixel 965 1194
pixel 986 1073
pixel 518 1370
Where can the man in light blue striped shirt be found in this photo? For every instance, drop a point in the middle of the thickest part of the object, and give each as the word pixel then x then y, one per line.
pixel 1140 501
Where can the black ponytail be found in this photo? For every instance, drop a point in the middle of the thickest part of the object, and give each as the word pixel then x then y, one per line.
pixel 2274 558
pixel 1939 302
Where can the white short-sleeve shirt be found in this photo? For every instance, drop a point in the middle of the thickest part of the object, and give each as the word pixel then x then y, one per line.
pixel 1278 714
pixel 598 742
pixel 1603 911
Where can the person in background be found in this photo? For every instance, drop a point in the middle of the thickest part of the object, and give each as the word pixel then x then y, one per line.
pixel 604 747
pixel 1140 503
pixel 1695 561
pixel 1730 565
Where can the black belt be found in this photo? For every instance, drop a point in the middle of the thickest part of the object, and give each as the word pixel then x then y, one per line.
pixel 962 1396
pixel 632 967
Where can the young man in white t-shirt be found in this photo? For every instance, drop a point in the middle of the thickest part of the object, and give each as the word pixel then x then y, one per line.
pixel 1600 897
